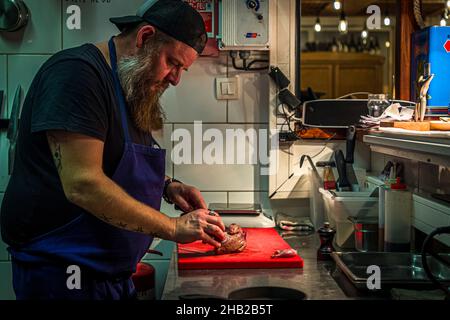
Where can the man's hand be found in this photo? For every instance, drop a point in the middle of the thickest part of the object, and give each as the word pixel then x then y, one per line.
pixel 186 197
pixel 200 225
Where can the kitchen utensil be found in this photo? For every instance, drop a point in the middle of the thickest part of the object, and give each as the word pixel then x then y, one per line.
pixel 13 129
pixel 445 261
pixel 397 269
pixel 343 183
pixel 1 103
pixel 245 215
pixel 14 15
pixel 313 167
pixel 326 234
pixel 424 84
pixel 261 244
pixel 366 233
pixel 236 209
pixel 349 159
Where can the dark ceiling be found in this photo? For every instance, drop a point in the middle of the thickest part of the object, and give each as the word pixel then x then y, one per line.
pixel 358 7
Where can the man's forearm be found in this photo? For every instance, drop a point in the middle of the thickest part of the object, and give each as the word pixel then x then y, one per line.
pixel 106 200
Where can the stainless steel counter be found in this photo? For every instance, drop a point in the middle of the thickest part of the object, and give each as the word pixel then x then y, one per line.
pixel 314 279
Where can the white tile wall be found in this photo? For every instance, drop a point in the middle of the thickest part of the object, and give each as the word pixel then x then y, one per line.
pixel 95 25
pixel 252 106
pixel 221 177
pixel 41 35
pixel 194 99
pixel 21 71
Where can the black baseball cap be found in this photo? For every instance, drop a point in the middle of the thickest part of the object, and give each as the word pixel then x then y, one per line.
pixel 173 17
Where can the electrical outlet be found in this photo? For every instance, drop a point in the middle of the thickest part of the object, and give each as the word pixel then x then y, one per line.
pixel 227 88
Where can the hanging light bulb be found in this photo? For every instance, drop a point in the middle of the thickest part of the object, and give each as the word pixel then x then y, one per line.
pixel 448 4
pixel 343 23
pixel 388 44
pixel 317 26
pixel 443 22
pixel 364 34
pixel 337 5
pixel 387 20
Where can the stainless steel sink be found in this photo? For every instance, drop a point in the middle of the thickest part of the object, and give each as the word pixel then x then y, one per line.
pixel 397 269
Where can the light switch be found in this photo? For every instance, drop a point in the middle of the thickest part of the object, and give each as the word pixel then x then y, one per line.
pixel 227 88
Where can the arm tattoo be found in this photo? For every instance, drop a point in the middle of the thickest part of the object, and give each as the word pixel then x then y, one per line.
pixel 57 156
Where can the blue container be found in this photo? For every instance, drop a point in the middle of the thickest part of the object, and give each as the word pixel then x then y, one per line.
pixel 429 54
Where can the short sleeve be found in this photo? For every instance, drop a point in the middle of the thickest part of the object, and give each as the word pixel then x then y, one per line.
pixel 71 96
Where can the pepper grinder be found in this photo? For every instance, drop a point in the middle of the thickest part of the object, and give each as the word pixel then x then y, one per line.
pixel 326 234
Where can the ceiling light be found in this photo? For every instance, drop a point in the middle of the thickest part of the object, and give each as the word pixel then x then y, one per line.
pixel 337 5
pixel 343 23
pixel 448 4
pixel 387 21
pixel 443 22
pixel 364 34
pixel 388 44
pixel 317 26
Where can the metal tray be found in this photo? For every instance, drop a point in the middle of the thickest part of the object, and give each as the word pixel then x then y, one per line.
pixel 397 269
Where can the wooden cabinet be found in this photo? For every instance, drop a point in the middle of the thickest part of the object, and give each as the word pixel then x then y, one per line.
pixel 338 74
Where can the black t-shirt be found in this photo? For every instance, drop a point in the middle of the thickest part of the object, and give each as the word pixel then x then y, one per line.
pixel 73 91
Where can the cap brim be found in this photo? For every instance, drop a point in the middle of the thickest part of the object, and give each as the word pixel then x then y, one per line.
pixel 122 22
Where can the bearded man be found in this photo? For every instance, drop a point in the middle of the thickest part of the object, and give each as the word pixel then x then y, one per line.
pixel 88 176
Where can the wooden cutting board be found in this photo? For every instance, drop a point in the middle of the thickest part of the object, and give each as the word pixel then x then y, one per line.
pixel 261 244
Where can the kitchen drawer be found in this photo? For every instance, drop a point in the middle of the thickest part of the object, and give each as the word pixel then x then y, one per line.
pixel 165 247
pixel 429 215
pixel 161 269
pixel 6 288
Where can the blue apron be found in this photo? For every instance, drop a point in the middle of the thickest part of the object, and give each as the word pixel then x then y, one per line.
pixel 106 255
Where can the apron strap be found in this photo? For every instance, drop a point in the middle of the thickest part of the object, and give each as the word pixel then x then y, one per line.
pixel 118 88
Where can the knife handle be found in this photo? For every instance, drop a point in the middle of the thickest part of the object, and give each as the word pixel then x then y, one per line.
pixel 351 142
pixel 342 170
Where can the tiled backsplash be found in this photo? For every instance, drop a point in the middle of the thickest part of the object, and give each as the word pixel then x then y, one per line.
pixel 194 99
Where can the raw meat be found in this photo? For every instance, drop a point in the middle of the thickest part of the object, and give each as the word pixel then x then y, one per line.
pixel 286 253
pixel 235 240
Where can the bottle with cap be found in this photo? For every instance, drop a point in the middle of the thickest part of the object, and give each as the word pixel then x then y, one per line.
pixel 397 222
pixel 329 182
pixel 326 234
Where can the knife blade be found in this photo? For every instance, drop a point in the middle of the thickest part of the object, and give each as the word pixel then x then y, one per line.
pixel 349 159
pixel 343 183
pixel 1 103
pixel 13 129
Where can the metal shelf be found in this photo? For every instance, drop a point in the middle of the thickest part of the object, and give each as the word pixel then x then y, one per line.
pixel 422 149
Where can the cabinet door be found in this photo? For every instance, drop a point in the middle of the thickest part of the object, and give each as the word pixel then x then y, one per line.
pixel 358 78
pixel 6 287
pixel 161 269
pixel 318 77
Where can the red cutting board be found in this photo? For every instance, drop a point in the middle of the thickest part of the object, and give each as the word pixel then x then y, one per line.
pixel 261 244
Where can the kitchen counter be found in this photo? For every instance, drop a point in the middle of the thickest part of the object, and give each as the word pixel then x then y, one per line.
pixel 314 279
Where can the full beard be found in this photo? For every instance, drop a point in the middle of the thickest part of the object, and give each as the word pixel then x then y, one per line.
pixel 136 78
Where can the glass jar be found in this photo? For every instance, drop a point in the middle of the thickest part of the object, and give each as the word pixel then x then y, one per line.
pixel 377 103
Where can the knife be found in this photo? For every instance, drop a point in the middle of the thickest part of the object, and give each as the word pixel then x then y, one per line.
pixel 343 183
pixel 13 129
pixel 350 158
pixel 1 104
